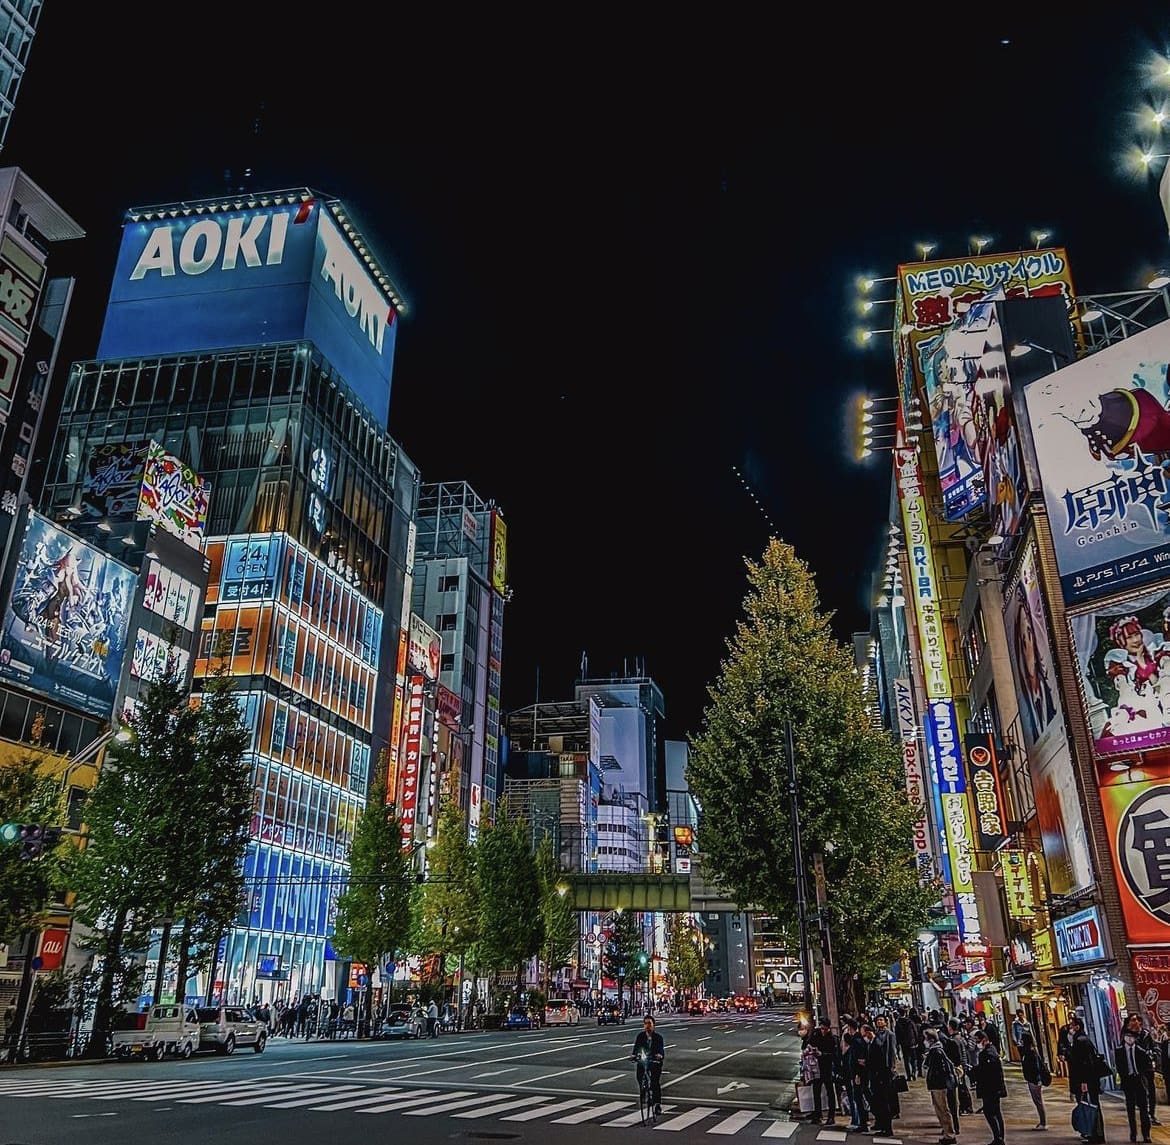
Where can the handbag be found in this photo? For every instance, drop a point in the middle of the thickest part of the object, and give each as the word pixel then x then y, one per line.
pixel 901 1085
pixel 1104 1069
pixel 1086 1120
pixel 804 1098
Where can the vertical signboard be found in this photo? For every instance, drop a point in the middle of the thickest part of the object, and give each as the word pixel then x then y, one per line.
pixel 1017 885
pixel 986 793
pixel 499 570
pixel 408 797
pixel 915 780
pixel 424 653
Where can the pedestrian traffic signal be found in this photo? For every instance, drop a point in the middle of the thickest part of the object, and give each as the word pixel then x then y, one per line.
pixel 642 958
pixel 34 839
pixel 10 833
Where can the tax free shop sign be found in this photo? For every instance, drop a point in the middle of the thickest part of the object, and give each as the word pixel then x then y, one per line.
pixel 236 278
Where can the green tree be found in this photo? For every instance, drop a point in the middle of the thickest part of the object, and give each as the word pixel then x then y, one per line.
pixel 685 967
pixel 620 956
pixel 511 923
pixel 29 795
pixel 562 927
pixel 449 906
pixel 785 668
pixel 374 911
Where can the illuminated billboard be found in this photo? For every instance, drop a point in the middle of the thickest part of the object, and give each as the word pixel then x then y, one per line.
pixel 206 278
pixel 173 495
pixel 424 652
pixel 499 554
pixel 1102 433
pixel 112 485
pixel 65 624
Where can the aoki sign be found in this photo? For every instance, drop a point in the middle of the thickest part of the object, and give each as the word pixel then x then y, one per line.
pixel 205 278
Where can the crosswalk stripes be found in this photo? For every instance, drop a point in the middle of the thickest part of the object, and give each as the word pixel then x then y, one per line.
pixel 323 1095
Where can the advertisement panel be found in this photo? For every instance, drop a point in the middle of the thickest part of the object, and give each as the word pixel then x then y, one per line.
pixel 112 485
pixel 986 794
pixel 173 495
pixel 1101 431
pixel 923 583
pixel 943 738
pixel 473 808
pixel 1137 823
pixel 915 780
pixel 1080 937
pixel 1017 884
pixel 1121 648
pixel 65 624
pixel 209 279
pixel 1151 977
pixel 410 770
pixel 931 295
pixel 1027 632
pixel 424 652
pixel 499 570
pixel 251 567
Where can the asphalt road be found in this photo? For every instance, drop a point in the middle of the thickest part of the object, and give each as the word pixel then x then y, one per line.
pixel 724 1076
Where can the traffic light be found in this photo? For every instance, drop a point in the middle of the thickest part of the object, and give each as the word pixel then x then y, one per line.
pixel 642 959
pixel 34 839
pixel 10 833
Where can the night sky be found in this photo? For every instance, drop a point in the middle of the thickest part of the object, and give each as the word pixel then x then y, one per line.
pixel 629 250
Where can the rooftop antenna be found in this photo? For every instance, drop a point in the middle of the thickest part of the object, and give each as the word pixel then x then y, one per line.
pixel 584 664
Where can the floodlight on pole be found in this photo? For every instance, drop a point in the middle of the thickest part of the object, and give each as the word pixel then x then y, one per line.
pixel 866 283
pixel 1040 237
pixel 978 242
pixel 926 249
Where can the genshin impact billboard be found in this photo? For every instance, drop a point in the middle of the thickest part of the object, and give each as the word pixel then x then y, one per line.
pixel 1102 433
pixel 65 625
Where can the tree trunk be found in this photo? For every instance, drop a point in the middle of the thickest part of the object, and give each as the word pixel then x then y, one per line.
pixel 104 1005
pixel 184 962
pixel 160 971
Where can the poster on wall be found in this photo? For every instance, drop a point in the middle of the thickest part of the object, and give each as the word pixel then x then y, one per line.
pixel 1100 431
pixel 1032 663
pixel 425 648
pixel 65 624
pixel 173 495
pixel 113 480
pixel 1137 820
pixel 1125 681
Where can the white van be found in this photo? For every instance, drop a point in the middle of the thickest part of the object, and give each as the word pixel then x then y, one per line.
pixel 164 1029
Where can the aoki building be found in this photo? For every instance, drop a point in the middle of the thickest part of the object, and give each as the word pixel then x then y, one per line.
pixel 254 340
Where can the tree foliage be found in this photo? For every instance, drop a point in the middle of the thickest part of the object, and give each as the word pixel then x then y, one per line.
pixel 449 901
pixel 374 911
pixel 685 965
pixel 620 954
pixel 562 928
pixel 28 794
pixel 511 923
pixel 784 667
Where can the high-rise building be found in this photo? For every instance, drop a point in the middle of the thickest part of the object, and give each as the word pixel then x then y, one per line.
pixel 18 26
pixel 253 340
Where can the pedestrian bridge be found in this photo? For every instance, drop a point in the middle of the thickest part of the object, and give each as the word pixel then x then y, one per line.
pixel 640 890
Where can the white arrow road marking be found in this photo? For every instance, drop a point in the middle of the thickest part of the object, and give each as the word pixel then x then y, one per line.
pixel 607 1080
pixel 496 1072
pixel 732 1085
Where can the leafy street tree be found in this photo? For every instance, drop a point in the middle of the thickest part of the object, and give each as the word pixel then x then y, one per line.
pixel 685 966
pixel 28 794
pixel 785 667
pixel 621 955
pixel 374 911
pixel 511 923
pixel 562 926
pixel 449 915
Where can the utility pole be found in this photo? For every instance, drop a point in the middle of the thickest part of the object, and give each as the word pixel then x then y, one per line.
pixel 798 868
pixel 828 978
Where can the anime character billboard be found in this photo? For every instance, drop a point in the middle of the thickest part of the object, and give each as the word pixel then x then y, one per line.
pixel 1123 655
pixel 1101 428
pixel 65 625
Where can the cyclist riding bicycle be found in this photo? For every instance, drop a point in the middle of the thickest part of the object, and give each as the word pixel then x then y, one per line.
pixel 650 1052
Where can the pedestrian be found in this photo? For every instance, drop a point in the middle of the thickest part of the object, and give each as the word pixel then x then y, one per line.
pixel 880 1062
pixel 941 1083
pixel 965 1046
pixel 1036 1074
pixel 1086 1068
pixel 917 1022
pixel 1019 1029
pixel 1135 1025
pixel 1134 1066
pixel 906 1035
pixel 990 1085
pixel 983 1022
pixel 824 1046
pixel 433 1020
pixel 853 1049
pixel 1164 1059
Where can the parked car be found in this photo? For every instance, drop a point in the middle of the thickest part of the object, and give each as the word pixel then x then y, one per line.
pixel 223 1028
pixel 561 1012
pixel 151 1035
pixel 697 1006
pixel 403 1023
pixel 610 1014
pixel 520 1019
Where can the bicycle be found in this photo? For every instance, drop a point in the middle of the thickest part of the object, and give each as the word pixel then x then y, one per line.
pixel 645 1093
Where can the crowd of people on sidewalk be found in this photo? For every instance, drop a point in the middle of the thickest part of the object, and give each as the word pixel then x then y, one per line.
pixel 862 1069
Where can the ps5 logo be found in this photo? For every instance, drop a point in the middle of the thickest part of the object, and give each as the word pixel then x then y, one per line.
pixel 255 241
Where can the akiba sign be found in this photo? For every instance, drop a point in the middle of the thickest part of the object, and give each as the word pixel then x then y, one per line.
pixel 237 278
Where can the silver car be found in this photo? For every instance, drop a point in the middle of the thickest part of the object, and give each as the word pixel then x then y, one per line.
pixel 227 1027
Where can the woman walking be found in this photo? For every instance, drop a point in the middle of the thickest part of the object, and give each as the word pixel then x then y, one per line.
pixel 1036 1074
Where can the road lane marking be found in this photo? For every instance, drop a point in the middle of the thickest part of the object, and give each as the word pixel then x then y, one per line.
pixel 369 1099
pixel 589 1114
pixel 632 1118
pixel 318 1091
pixel 515 1103
pixel 832 1135
pixel 572 1103
pixel 220 1087
pixel 207 1099
pixel 412 1063
pixel 496 1072
pixel 573 1069
pixel 704 1038
pixel 607 1080
pixel 699 1069
pixel 688 1118
pixel 781 1129
pixel 396 1105
pixel 447 1106
pixel 337 1091
pixel 735 1122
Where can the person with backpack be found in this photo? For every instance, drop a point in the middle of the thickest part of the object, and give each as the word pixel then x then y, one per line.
pixel 1036 1074
pixel 941 1083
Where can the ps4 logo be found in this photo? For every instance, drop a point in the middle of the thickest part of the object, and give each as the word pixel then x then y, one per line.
pixel 206 243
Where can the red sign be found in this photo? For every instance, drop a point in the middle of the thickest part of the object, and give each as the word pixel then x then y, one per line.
pixel 1151 976
pixel 53 943
pixel 411 761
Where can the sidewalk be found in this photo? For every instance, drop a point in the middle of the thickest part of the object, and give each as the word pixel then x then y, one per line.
pixel 918 1123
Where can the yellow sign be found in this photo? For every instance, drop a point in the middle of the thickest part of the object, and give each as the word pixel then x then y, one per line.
pixel 1042 949
pixel 499 554
pixel 1017 884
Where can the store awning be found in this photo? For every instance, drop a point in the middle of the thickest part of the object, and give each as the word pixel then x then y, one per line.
pixel 969 981
pixel 1079 975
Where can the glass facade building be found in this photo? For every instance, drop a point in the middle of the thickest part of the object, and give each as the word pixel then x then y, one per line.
pixel 307 533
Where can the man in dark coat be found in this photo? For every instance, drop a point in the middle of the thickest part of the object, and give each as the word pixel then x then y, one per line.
pixel 906 1035
pixel 989 1081
pixel 854 1052
pixel 824 1045
pixel 1085 1073
pixel 880 1063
